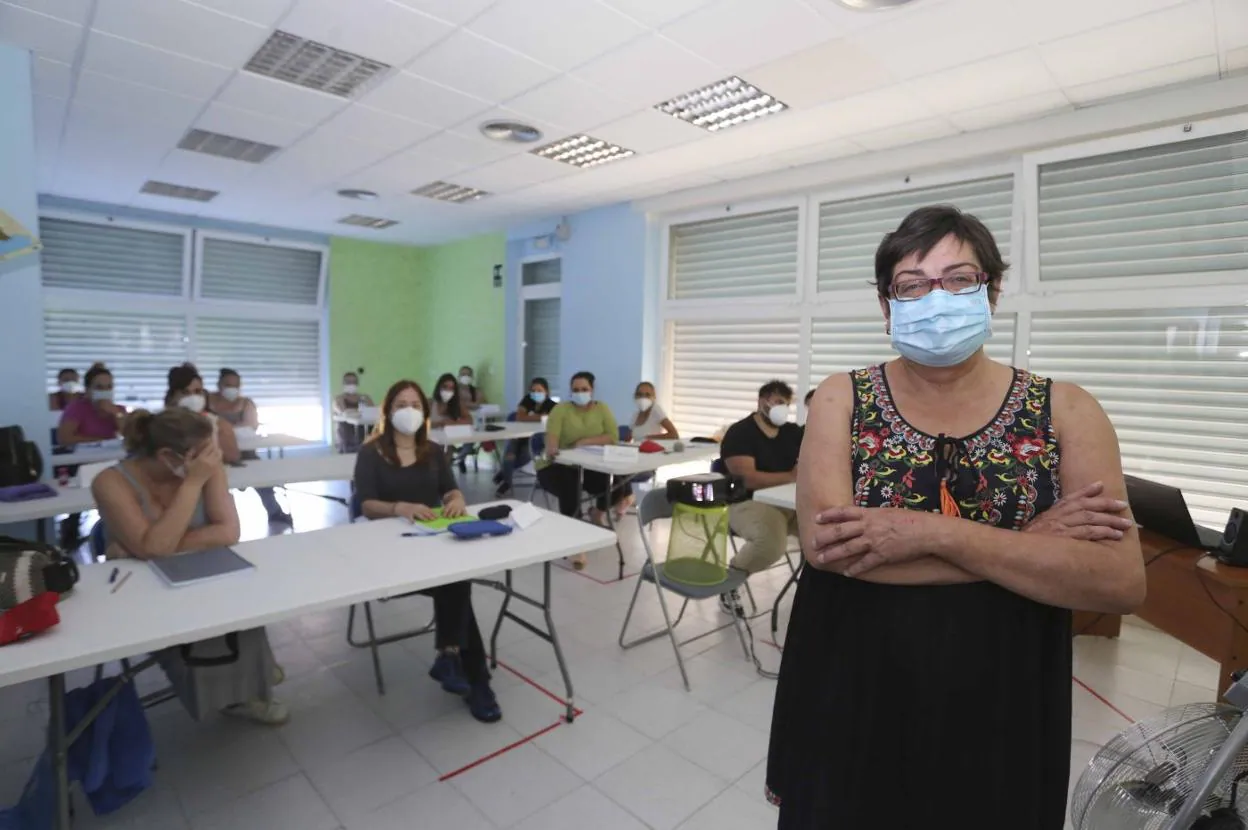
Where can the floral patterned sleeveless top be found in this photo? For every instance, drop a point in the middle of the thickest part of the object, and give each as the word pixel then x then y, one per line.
pixel 1003 475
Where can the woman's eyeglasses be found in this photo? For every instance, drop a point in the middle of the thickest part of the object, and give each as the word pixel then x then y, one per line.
pixel 915 288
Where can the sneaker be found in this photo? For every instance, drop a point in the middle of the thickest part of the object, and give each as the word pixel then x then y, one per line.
pixel 503 489
pixel 483 704
pixel 448 670
pixel 279 675
pixel 730 603
pixel 268 712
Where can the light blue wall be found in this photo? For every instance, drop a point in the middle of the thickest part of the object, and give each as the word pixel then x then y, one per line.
pixel 23 399
pixel 603 320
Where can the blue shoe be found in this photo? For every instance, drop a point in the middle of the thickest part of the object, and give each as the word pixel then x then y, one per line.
pixel 448 670
pixel 483 704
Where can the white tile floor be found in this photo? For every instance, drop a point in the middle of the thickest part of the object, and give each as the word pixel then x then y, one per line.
pixel 645 753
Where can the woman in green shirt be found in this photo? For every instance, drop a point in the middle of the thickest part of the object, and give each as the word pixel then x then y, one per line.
pixel 580 421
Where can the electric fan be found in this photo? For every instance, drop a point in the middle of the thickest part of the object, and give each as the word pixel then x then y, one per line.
pixel 1185 769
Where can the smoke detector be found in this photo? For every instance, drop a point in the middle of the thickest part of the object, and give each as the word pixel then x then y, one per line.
pixel 515 132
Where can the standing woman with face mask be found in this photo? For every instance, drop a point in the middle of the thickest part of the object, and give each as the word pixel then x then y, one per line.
pixel 186 390
pixel 953 510
pixel 400 472
pixel 229 404
pixel 170 496
pixel 531 409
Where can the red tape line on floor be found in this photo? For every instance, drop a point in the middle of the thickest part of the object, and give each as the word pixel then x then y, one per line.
pixel 1102 699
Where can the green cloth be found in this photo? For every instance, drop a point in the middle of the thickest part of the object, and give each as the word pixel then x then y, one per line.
pixel 568 423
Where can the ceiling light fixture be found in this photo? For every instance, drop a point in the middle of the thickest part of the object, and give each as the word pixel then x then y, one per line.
pixel 872 5
pixel 513 131
pixel 583 151
pixel 178 191
pixel 355 193
pixel 297 60
pixel 373 222
pixel 446 192
pixel 226 146
pixel 722 104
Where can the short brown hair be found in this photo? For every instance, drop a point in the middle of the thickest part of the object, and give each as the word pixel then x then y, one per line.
pixel 174 429
pixel 923 230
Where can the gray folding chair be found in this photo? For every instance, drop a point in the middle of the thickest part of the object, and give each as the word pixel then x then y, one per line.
pixel 653 507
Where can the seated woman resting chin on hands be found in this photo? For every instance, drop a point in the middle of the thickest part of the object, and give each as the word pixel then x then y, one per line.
pixel 170 496
pixel 400 472
pixel 952 511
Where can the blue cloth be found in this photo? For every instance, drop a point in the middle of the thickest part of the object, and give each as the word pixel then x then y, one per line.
pixel 112 760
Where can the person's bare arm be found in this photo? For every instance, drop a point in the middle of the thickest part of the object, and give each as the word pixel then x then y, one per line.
pixel 251 415
pixel 1105 575
pixel 228 442
pixel 527 416
pixel 223 526
pixel 142 538
pixel 667 431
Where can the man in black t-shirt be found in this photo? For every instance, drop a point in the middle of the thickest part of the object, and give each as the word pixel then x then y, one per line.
pixel 762 449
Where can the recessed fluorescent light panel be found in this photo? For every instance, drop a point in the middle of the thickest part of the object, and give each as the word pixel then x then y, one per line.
pixel 367 221
pixel 178 191
pixel 304 62
pixel 724 104
pixel 226 146
pixel 446 192
pixel 583 151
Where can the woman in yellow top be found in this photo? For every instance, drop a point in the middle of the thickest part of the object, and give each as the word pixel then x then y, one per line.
pixel 580 421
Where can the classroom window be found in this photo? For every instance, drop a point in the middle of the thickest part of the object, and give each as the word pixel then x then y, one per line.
pixel 752 255
pixel 137 347
pixel 106 257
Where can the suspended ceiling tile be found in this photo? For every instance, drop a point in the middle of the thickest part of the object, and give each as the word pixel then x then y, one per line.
pixel 377 29
pixel 570 103
pixel 558 33
pixel 125 99
pixel 219 118
pixel 48 37
pixel 515 172
pixel 71 11
pixel 422 100
pixel 182 28
pixel 648 131
pixel 740 34
pixel 1018 109
pixel 262 12
pixel 383 130
pixel 51 78
pixel 649 70
pixel 832 70
pixel 131 61
pixel 1057 19
pixel 980 84
pixel 903 134
pixel 1232 21
pixel 655 13
pixel 467 148
pixel 1199 69
pixel 278 99
pixel 457 12
pixel 1173 36
pixel 479 67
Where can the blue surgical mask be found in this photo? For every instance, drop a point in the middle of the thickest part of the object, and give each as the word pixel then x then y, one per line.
pixel 538 397
pixel 582 398
pixel 941 329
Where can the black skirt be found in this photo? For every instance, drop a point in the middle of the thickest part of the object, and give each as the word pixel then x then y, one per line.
pixel 928 706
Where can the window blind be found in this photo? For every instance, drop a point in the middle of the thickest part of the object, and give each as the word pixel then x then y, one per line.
pixel 85 255
pixel 742 256
pixel 278 360
pixel 247 271
pixel 541 342
pixel 717 368
pixel 1174 210
pixel 1174 383
pixel 848 343
pixel 138 349
pixel 851 230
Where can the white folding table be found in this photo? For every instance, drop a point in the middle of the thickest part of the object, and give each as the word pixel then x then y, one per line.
pixel 295 574
pixel 513 430
pixel 248 441
pixel 584 458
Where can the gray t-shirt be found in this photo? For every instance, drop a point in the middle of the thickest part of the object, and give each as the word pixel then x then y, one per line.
pixel 424 482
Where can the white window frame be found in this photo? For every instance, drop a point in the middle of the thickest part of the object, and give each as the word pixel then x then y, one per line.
pixel 1157 137
pixel 188 248
pixel 541 291
pixel 197 283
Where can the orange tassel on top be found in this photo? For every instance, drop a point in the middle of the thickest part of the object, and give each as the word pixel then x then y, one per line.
pixel 948 506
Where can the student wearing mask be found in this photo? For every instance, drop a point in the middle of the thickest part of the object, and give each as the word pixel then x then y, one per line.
pixel 90 417
pixel 349 400
pixel 449 407
pixel 650 421
pixel 68 390
pixel 186 390
pixel 531 409
pixel 229 404
pixel 762 449
pixel 471 399
pixel 580 421
pixel 400 472
pixel 170 496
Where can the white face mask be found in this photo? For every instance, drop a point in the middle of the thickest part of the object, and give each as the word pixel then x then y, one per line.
pixel 231 393
pixel 178 470
pixel 643 404
pixel 446 395
pixel 350 388
pixel 778 414
pixel 71 387
pixel 407 420
pixel 582 398
pixel 195 403
pixel 101 394
pixel 465 380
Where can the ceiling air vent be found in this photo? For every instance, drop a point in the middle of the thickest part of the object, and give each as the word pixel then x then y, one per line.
pixel 226 146
pixel 304 62
pixel 367 221
pixel 583 151
pixel 445 192
pixel 179 191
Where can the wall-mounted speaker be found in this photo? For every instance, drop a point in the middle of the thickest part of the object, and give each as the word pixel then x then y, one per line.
pixel 1233 549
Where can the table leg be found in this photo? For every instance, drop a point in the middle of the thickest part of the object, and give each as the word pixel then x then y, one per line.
pixel 611 521
pixel 58 741
pixel 775 607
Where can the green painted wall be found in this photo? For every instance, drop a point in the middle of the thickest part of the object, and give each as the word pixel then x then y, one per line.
pixel 403 311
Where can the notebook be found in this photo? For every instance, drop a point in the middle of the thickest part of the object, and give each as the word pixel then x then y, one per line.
pixel 190 568
pixel 439 523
